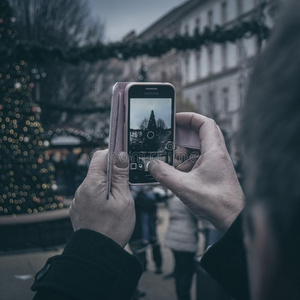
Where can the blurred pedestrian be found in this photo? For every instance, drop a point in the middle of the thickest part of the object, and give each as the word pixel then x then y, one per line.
pixel 137 243
pixel 211 234
pixel 182 239
pixel 71 168
pixel 57 157
pixel 237 163
pixel 151 214
pixel 82 167
pixel 145 233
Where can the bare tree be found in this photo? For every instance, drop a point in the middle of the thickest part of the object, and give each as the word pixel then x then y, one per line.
pixel 144 124
pixel 57 23
pixel 161 123
pixel 61 23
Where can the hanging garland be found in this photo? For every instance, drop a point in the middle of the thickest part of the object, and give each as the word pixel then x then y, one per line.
pixel 130 49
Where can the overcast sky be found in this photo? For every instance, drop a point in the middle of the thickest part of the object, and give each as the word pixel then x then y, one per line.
pixel 140 108
pixel 122 16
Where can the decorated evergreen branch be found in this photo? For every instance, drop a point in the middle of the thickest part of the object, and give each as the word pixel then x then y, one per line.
pixel 26 176
pixel 130 49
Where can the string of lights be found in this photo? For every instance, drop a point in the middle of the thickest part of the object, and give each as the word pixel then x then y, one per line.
pixel 26 175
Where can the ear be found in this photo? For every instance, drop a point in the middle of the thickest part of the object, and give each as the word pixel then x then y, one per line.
pixel 261 251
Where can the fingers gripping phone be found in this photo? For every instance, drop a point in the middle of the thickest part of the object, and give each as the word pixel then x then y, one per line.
pixel 149 128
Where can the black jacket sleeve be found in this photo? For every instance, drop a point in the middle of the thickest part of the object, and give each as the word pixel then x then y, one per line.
pixel 226 262
pixel 92 266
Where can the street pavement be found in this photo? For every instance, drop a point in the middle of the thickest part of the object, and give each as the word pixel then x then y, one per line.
pixel 17 271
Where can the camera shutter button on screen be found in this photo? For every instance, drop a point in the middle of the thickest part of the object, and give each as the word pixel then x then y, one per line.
pixel 150 135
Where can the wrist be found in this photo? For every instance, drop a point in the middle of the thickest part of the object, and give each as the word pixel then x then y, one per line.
pixel 228 214
pixel 112 236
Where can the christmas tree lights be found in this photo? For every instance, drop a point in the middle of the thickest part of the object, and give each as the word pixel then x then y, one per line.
pixel 26 175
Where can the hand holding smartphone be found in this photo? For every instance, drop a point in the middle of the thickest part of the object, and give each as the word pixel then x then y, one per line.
pixel 142 123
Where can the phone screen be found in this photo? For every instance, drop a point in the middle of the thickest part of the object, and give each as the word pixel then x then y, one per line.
pixel 150 131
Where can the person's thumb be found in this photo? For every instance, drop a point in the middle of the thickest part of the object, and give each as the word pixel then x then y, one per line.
pixel 120 174
pixel 166 175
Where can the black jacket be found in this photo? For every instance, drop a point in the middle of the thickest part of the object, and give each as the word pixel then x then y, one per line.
pixel 93 266
pixel 226 262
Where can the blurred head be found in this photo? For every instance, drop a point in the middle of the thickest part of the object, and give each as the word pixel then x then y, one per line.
pixel 271 138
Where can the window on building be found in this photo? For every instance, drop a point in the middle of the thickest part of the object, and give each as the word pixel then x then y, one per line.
pixel 210 59
pixel 225 96
pixel 224 56
pixel 186 29
pixel 198 66
pixel 239 7
pixel 241 53
pixel 211 104
pixel 210 19
pixel 187 66
pixel 199 103
pixel 258 44
pixel 224 12
pixel 241 93
pixel 197 26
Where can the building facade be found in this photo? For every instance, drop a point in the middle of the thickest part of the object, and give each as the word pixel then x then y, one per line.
pixel 165 68
pixel 212 80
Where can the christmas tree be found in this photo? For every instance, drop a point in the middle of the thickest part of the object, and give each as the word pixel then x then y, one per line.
pixel 150 142
pixel 26 175
pixel 152 122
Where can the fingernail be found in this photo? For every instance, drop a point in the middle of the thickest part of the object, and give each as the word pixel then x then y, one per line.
pixel 122 161
pixel 152 165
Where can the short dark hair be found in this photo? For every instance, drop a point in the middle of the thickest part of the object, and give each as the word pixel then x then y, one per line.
pixel 271 135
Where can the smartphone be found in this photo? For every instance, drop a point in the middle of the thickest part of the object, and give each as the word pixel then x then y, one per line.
pixel 150 124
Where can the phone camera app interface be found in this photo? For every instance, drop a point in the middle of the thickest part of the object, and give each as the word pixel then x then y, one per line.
pixel 150 134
